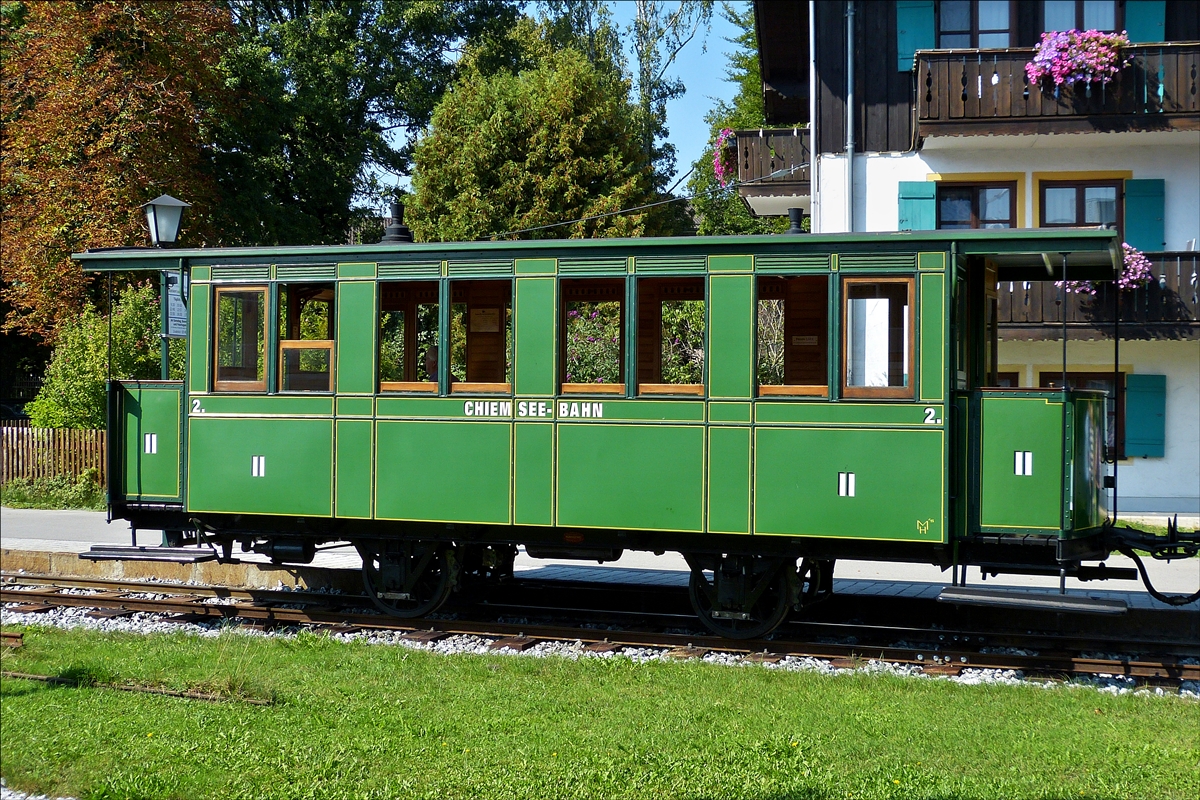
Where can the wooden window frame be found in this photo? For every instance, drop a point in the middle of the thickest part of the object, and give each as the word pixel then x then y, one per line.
pixel 788 389
pixel 1080 202
pixel 591 388
pixel 974 31
pixel 305 344
pixel 1118 17
pixel 239 386
pixel 881 392
pixel 480 387
pixel 410 343
pixel 1048 379
pixel 664 389
pixel 976 222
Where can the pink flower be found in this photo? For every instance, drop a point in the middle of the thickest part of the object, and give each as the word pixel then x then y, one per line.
pixel 1078 56
pixel 721 169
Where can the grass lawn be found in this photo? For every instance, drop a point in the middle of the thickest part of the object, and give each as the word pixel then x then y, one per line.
pixel 354 720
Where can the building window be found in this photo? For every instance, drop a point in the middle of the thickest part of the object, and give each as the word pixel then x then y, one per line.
pixel 793 335
pixel 976 205
pixel 593 331
pixel 974 23
pixel 670 340
pixel 1078 204
pixel 878 324
pixel 1084 15
pixel 1114 403
pixel 240 338
pixel 306 337
pixel 408 336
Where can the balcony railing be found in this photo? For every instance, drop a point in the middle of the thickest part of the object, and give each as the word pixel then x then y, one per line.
pixel 1034 310
pixel 957 90
pixel 774 168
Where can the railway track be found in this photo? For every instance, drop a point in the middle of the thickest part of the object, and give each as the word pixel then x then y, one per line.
pixel 935 651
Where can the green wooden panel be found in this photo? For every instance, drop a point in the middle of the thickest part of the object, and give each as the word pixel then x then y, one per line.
pixel 932 344
pixel 200 316
pixel 201 273
pixel 443 471
pixel 359 269
pixel 535 266
pixel 353 464
pixel 899 483
pixel 297 466
pixel 1145 20
pixel 533 474
pixel 1145 416
pixel 639 410
pixel 809 413
pixel 731 263
pixel 729 412
pixel 931 261
pixel 533 368
pixel 728 480
pixel 1145 210
pixel 917 206
pixel 152 417
pixel 1009 500
pixel 637 477
pixel 731 336
pixel 357 325
pixel 355 406
pixel 914 31
pixel 266 405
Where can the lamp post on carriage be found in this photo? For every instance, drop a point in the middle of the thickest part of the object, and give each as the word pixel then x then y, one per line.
pixel 163 215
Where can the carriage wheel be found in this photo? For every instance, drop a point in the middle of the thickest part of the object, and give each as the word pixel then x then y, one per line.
pixel 408 579
pixel 740 597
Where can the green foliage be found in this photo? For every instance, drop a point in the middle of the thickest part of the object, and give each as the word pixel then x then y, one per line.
pixel 375 721
pixel 770 342
pixel 72 395
pixel 721 210
pixel 329 94
pixel 593 341
pixel 683 341
pixel 61 491
pixel 518 149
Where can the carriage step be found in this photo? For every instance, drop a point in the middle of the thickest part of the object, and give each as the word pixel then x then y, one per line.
pixel 179 555
pixel 974 596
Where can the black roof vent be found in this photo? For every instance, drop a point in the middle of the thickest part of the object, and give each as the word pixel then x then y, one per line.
pixel 397 231
pixel 796 217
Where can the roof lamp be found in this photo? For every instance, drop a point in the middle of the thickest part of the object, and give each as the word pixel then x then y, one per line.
pixel 162 215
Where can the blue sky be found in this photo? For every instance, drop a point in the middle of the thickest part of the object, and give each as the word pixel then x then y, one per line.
pixel 703 74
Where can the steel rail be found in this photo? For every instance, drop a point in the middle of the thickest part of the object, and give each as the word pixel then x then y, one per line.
pixel 190 605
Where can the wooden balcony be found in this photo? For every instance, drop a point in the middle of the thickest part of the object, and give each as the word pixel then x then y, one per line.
pixel 774 170
pixel 1034 310
pixel 982 92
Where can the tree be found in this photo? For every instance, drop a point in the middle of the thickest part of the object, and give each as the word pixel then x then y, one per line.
pixel 72 395
pixel 105 105
pixel 720 210
pixel 331 94
pixel 518 150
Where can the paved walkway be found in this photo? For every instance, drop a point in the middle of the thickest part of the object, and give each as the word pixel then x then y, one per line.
pixel 77 531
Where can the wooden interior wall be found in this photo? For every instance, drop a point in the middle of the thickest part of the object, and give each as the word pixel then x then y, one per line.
pixel 805 326
pixel 652 293
pixel 405 297
pixel 487 304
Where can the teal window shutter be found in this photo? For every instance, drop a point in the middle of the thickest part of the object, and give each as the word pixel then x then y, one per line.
pixel 918 206
pixel 914 31
pixel 1145 415
pixel 1144 212
pixel 1145 20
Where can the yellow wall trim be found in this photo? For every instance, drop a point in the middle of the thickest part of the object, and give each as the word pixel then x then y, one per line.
pixel 990 177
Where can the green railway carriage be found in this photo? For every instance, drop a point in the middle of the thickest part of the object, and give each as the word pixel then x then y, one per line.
pixel 752 402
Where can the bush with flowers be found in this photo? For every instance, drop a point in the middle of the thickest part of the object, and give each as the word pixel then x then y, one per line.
pixel 1078 57
pixel 723 166
pixel 1136 271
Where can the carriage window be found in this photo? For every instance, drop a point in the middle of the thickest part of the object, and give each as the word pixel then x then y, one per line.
pixel 671 336
pixel 306 337
pixel 878 324
pixel 793 336
pixel 593 347
pixel 240 352
pixel 408 336
pixel 481 336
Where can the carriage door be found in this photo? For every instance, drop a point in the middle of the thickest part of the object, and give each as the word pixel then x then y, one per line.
pixel 148 462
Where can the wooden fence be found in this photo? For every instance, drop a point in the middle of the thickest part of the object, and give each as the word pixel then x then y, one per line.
pixel 27 452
